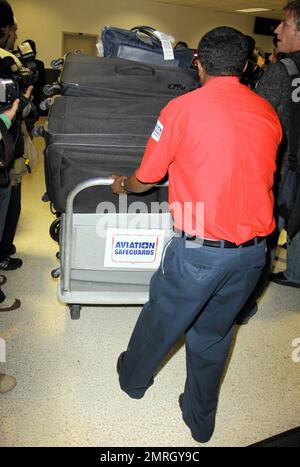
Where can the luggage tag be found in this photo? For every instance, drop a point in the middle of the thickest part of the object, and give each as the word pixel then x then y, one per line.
pixel 166 43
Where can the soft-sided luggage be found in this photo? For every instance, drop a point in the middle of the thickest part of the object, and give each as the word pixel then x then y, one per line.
pixel 84 75
pixel 93 137
pixel 144 44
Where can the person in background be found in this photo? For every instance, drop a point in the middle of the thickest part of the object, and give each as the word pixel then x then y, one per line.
pixel 7 383
pixel 180 44
pixel 8 35
pixel 6 303
pixel 253 71
pixel 276 87
pixel 8 204
pixel 218 145
pixel 38 95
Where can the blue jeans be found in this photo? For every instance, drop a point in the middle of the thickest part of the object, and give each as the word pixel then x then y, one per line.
pixel 197 291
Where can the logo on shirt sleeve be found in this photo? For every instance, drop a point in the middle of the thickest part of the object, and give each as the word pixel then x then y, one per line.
pixel 157 132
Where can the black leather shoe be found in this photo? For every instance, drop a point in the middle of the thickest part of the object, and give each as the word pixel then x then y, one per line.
pixel 121 356
pixel 279 278
pixel 10 264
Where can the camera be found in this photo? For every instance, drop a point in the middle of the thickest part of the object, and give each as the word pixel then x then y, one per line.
pixel 14 82
pixel 8 91
pixel 26 55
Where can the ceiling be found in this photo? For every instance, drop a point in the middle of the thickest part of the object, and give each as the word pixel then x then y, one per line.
pixel 230 6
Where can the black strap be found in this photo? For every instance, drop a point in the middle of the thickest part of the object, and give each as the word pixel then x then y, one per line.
pixel 6 146
pixel 294 129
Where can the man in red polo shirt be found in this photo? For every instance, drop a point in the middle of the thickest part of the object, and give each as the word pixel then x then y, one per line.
pixel 218 145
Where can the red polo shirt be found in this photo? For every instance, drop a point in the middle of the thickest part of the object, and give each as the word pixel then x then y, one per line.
pixel 219 145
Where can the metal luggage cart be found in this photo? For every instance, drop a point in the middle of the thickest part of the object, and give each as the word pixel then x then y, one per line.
pixel 109 258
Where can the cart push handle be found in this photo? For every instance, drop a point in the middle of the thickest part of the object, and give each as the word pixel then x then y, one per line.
pixel 91 182
pixel 67 225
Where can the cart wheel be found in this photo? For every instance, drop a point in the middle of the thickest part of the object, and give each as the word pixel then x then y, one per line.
pixel 58 255
pixel 54 230
pixel 75 311
pixel 55 273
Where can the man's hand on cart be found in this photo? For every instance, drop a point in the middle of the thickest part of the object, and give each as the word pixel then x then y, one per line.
pixel 123 184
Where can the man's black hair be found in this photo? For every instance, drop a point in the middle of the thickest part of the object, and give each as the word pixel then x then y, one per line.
pixel 294 8
pixel 6 15
pixel 223 51
pixel 180 44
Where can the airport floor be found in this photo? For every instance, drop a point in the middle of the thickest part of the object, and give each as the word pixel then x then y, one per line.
pixel 68 392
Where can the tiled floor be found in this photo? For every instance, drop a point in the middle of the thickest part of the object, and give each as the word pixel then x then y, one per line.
pixel 68 393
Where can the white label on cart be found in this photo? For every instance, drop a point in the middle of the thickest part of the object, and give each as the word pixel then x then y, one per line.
pixel 133 248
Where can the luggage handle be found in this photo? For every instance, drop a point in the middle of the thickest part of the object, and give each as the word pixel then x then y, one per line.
pixel 148 31
pixel 122 69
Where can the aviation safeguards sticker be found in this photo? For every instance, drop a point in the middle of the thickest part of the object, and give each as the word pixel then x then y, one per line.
pixel 157 132
pixel 133 248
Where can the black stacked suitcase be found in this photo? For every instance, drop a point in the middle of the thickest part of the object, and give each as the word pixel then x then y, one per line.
pixel 84 75
pixel 93 137
pixel 102 123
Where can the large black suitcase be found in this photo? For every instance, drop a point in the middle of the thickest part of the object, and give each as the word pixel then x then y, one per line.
pixel 84 75
pixel 93 137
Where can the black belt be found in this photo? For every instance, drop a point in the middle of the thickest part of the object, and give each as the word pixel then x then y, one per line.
pixel 219 243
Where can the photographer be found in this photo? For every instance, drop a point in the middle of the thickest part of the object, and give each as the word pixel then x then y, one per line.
pixel 12 68
pixel 7 383
pixel 7 117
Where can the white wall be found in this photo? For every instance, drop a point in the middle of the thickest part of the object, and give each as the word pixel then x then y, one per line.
pixel 45 20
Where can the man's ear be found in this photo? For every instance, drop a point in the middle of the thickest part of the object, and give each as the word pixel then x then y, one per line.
pixel 201 72
pixel 200 67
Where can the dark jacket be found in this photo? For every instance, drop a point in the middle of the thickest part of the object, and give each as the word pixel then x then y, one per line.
pixel 275 86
